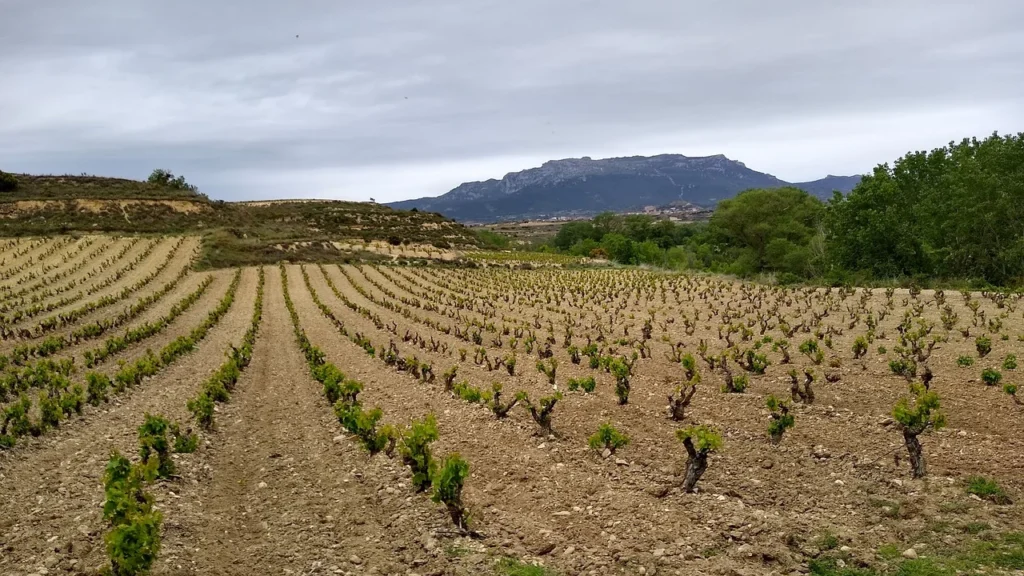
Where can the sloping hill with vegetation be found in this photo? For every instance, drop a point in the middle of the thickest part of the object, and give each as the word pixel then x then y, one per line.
pixel 233 232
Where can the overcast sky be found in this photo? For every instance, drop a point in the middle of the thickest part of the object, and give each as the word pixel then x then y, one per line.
pixel 396 99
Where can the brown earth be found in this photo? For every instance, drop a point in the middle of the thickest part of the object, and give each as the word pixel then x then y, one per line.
pixel 278 487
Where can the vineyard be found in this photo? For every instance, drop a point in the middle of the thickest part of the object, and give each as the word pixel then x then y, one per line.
pixel 332 418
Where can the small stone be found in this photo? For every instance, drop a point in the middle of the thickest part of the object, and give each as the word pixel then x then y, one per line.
pixel 910 554
pixel 544 549
pixel 621 462
pixel 606 453
pixel 338 439
pixel 562 513
pixel 845 549
pixel 261 485
pixel 568 551
pixel 355 559
pixel 658 552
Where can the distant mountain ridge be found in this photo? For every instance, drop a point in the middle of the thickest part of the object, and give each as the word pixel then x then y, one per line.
pixel 582 186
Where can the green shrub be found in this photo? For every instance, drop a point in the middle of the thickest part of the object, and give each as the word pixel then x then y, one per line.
pixel 468 392
pixel 201 408
pixel 16 418
pixel 448 482
pixel 991 376
pixel 133 541
pixel 903 367
pixel 860 347
pixel 153 441
pixel 8 182
pixel 1011 389
pixel 739 384
pixel 415 450
pixel 810 349
pixel 96 387
pixel 1010 362
pixel 363 424
pixel 781 418
pixel 185 442
pixel 965 361
pixel 621 371
pixel 607 437
pixel 73 401
pixel 915 417
pixel 50 413
pixel 983 344
pixel 587 384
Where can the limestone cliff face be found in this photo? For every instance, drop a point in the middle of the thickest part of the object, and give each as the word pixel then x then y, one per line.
pixel 585 186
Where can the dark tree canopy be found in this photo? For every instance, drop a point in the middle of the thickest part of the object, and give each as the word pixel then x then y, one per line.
pixel 954 212
pixel 771 230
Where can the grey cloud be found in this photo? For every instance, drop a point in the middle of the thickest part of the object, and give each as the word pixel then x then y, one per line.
pixel 401 99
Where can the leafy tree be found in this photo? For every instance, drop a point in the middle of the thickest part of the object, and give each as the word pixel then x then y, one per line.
pixel 619 248
pixel 572 233
pixel 956 211
pixel 166 178
pixel 770 230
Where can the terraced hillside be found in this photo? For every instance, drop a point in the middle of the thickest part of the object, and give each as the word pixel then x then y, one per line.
pixel 232 233
pixel 386 419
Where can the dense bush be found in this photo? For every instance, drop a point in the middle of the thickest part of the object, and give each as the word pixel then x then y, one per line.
pixel 8 182
pixel 166 178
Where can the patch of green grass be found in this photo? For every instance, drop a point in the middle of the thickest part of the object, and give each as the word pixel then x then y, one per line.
pixel 987 489
pixel 889 552
pixel 827 541
pixel 976 527
pixel 1004 552
pixel 456 551
pixel 710 552
pixel 826 566
pixel 514 567
pixel 888 508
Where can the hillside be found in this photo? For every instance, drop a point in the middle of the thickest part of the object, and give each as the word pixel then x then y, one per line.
pixel 583 186
pixel 234 232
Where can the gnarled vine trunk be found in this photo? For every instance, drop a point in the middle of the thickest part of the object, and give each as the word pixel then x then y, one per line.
pixel 917 465
pixel 696 464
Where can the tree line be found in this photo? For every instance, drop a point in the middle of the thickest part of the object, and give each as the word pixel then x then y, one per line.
pixel 954 214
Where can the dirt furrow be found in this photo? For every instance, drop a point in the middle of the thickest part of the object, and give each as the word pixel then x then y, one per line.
pixel 52 490
pixel 282 489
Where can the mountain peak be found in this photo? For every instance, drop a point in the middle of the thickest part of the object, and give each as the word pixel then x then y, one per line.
pixel 584 186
